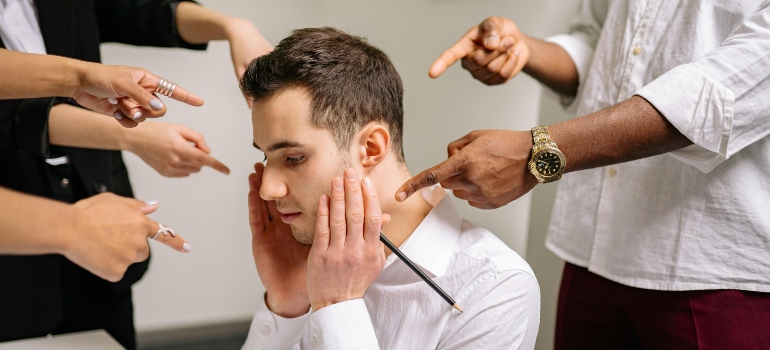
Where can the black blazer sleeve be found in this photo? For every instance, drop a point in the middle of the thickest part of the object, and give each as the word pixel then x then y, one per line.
pixel 141 23
pixel 24 125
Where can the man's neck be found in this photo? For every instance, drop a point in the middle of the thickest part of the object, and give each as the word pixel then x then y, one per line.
pixel 405 216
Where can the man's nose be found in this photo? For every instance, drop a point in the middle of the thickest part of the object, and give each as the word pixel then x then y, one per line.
pixel 272 186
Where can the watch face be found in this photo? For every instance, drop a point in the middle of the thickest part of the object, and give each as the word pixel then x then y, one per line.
pixel 548 164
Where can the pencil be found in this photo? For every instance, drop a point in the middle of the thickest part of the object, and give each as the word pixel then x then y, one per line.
pixel 419 272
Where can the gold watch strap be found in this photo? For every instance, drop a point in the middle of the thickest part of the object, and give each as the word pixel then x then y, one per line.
pixel 540 135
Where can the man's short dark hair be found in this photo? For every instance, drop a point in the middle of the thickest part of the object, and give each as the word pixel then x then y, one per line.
pixel 351 83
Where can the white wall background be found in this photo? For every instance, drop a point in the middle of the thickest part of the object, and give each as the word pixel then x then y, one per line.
pixel 217 282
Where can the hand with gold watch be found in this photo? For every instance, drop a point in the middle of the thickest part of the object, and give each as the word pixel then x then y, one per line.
pixel 547 162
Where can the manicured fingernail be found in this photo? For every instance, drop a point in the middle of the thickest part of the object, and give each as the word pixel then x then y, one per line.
pixel 153 202
pixel 186 247
pixel 367 182
pixel 137 115
pixel 337 183
pixel 156 104
pixel 325 199
pixel 350 175
pixel 117 116
pixel 401 196
pixel 112 101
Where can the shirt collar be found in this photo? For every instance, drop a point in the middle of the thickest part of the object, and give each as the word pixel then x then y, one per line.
pixel 433 241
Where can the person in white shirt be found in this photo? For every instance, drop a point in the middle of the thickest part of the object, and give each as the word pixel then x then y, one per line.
pixel 325 104
pixel 666 231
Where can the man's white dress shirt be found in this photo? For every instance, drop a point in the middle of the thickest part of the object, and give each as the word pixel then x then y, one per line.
pixel 492 284
pixel 697 218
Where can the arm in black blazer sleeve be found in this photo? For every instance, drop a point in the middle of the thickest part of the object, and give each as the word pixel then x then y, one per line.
pixel 24 125
pixel 141 23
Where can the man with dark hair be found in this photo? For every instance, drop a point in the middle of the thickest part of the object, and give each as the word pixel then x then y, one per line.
pixel 327 103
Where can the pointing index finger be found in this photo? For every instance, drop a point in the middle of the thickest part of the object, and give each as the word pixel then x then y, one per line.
pixel 150 81
pixel 182 95
pixel 216 165
pixel 168 236
pixel 451 167
pixel 467 44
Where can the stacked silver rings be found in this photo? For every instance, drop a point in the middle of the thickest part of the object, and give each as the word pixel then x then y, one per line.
pixel 165 87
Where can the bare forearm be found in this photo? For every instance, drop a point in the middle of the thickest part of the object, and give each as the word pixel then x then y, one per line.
pixel 198 25
pixel 77 127
pixel 550 65
pixel 33 225
pixel 31 75
pixel 630 130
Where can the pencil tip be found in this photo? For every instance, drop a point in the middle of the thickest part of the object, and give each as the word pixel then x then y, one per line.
pixel 457 307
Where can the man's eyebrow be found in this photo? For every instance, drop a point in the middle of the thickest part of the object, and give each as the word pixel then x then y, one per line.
pixel 279 145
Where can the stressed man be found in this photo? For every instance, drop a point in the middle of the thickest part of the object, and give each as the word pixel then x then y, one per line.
pixel 328 114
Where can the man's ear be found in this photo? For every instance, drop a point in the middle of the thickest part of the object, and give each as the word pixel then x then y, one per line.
pixel 373 144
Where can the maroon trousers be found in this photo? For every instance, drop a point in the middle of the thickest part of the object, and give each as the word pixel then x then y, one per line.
pixel 596 313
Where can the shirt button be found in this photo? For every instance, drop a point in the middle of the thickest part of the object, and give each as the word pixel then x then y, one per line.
pixel 637 50
pixel 313 342
pixel 613 172
pixel 266 330
pixel 65 183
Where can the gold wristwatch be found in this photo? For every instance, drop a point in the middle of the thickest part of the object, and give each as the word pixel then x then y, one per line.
pixel 547 162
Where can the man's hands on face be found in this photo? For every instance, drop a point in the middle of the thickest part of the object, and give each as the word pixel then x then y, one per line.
pixel 347 254
pixel 493 52
pixel 167 148
pixel 281 261
pixel 112 234
pixel 488 168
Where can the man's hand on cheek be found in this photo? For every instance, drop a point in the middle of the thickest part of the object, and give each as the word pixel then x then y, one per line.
pixel 347 254
pixel 280 259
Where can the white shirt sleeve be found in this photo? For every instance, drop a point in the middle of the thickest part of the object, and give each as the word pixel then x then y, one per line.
pixel 270 331
pixel 581 41
pixel 344 325
pixel 720 102
pixel 502 312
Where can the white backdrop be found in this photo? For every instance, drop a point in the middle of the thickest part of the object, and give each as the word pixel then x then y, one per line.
pixel 217 281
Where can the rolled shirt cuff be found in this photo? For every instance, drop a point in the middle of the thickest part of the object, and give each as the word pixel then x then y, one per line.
pixel 700 108
pixel 581 54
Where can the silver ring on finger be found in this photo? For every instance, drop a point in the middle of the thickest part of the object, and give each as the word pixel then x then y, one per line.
pixel 165 231
pixel 165 87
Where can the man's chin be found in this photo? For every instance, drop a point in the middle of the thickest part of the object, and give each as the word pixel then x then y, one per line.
pixel 302 237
